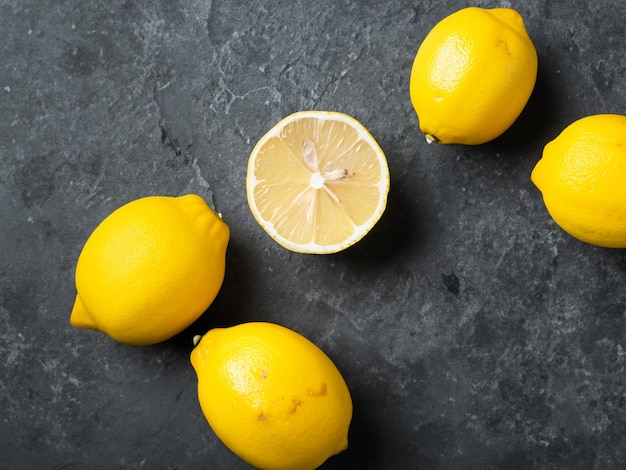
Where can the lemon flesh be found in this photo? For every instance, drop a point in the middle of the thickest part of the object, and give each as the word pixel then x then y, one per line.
pixel 317 182
pixel 150 269
pixel 272 396
pixel 473 75
pixel 582 177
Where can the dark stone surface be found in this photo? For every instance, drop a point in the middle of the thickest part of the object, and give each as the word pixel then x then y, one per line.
pixel 472 331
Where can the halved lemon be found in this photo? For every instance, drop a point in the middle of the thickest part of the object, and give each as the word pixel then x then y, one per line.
pixel 317 182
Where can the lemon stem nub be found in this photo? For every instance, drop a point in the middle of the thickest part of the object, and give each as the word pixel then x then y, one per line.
pixel 431 138
pixel 196 339
pixel 80 318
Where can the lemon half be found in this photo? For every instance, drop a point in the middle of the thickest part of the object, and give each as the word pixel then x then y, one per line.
pixel 317 182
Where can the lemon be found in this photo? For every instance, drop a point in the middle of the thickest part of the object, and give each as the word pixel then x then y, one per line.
pixel 150 269
pixel 317 182
pixel 473 75
pixel 582 177
pixel 272 396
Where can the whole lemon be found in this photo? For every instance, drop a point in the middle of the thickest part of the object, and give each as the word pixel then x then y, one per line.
pixel 582 177
pixel 150 269
pixel 272 396
pixel 473 75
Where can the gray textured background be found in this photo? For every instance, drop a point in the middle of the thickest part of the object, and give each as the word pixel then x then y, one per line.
pixel 472 332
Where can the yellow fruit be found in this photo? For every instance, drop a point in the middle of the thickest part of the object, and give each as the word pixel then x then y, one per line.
pixel 317 182
pixel 473 75
pixel 272 396
pixel 582 176
pixel 150 269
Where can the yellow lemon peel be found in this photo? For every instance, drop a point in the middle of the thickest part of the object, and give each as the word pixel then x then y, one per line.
pixel 272 396
pixel 473 75
pixel 582 177
pixel 150 269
